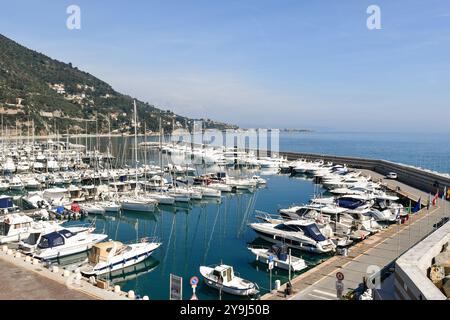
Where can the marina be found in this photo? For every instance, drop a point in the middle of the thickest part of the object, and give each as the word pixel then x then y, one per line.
pixel 254 156
pixel 193 212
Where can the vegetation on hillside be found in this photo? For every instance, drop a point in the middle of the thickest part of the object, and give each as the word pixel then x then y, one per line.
pixel 58 97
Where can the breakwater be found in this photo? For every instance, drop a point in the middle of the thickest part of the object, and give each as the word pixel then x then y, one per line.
pixel 421 179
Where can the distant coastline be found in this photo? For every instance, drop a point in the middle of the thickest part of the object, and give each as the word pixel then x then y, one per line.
pixel 292 130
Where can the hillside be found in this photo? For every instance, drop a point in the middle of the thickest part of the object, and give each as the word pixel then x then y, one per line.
pixel 59 97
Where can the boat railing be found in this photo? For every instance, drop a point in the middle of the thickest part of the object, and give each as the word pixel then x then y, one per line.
pixel 148 240
pixel 265 216
pixel 257 246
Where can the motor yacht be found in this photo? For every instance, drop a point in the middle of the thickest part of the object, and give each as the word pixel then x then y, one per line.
pixel 107 257
pixel 298 234
pixel 62 243
pixel 280 257
pixel 222 278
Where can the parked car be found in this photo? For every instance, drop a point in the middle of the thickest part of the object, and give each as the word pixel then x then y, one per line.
pixel 391 175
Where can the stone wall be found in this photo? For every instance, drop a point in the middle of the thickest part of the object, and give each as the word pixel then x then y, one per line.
pixel 411 280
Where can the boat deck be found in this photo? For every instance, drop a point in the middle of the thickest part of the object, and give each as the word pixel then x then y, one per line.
pixel 377 251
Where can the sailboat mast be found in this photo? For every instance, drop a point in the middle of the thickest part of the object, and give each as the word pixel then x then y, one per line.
pixel 135 143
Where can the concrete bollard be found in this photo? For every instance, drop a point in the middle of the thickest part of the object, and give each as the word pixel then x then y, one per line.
pixel 277 284
pixel 77 279
pixel 145 298
pixel 66 273
pixel 131 295
pixel 18 255
pixel 117 289
pixel 92 280
pixel 9 252
pixel 35 261
pixel 5 248
pixel 27 259
pixel 55 269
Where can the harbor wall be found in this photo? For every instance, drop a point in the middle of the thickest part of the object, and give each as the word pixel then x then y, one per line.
pixel 411 281
pixel 418 178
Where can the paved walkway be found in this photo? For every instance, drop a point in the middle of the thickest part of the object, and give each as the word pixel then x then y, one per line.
pixel 377 251
pixel 17 283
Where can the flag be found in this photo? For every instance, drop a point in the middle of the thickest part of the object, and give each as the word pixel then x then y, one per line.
pixel 416 207
pixel 435 198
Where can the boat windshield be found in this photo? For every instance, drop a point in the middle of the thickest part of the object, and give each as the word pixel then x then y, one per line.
pixel 50 240
pixel 284 227
pixel 32 238
pixel 313 232
pixel 66 233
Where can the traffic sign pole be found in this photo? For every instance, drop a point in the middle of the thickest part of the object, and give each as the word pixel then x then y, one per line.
pixel 270 272
pixel 194 281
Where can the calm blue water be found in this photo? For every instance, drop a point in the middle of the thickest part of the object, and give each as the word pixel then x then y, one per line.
pixel 208 232
pixel 431 150
pixel 203 234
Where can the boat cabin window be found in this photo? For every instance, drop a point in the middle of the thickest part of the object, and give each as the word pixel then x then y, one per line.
pixel 283 227
pixel 66 233
pixel 229 274
pixel 32 238
pixel 4 228
pixel 43 244
pixel 382 204
pixel 217 273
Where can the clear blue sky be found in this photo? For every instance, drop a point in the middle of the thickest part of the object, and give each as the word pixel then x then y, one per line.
pixel 287 63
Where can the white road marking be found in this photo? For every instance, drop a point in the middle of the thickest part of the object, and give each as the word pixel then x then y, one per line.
pixel 325 293
pixel 319 297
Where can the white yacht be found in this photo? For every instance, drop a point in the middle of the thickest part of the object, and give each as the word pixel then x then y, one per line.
pixel 136 203
pixel 62 243
pixel 16 184
pixel 280 258
pixel 31 183
pixel 9 166
pixel 15 227
pixel 208 192
pixel 107 257
pixel 109 206
pixel 298 234
pixel 222 277
pixel 92 208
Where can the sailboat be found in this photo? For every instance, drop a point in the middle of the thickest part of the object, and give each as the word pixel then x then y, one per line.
pixel 136 202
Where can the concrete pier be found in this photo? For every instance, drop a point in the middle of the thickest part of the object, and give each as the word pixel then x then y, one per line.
pixel 374 253
pixel 23 280
pixel 20 284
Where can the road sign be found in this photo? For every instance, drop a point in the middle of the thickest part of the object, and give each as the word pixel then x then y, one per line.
pixel 270 258
pixel 270 265
pixel 193 281
pixel 339 276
